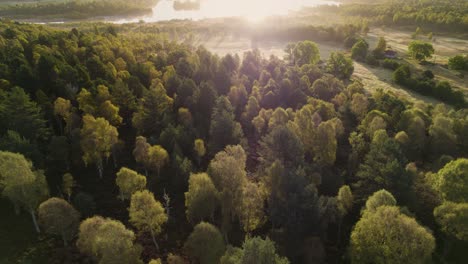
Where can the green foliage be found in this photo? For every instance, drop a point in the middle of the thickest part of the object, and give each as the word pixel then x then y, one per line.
pixel 58 217
pixel 261 251
pixel 379 198
pixel 359 50
pixel 452 181
pixel 340 66
pixel 388 236
pixel 97 139
pixel 458 62
pixel 301 53
pixel 420 50
pixel 205 244
pixel 453 219
pixel 97 239
pixel 201 199
pixel 129 182
pixel 147 214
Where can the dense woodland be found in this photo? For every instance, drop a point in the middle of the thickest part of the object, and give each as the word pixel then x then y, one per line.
pixel 436 15
pixel 75 9
pixel 123 146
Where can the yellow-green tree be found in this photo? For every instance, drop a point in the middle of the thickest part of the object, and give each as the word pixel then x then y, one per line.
pixel 147 214
pixel 157 158
pixel 205 244
pixel 252 213
pixel 199 147
pixel 97 139
pixel 201 199
pixel 140 152
pixel 129 181
pixel 58 217
pixel 24 187
pixel 108 241
pixel 388 236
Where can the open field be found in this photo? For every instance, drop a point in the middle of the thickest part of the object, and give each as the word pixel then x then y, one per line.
pixel 372 77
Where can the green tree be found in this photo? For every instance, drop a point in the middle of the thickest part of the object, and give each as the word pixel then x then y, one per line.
pixel 19 113
pixel 326 144
pixel 205 244
pixel 305 52
pixel 227 169
pixel 97 238
pixel 420 50
pixel 388 236
pixel 359 50
pixel 260 251
pixel 252 213
pixel 58 217
pixel 147 214
pixel 129 181
pixel 340 66
pixel 23 186
pixel 152 109
pixel 97 139
pixel 201 199
pixel 224 130
pixel 379 50
pixel 63 109
pixel 452 181
pixel 67 185
pixel 453 219
pixel 379 198
pixel 458 62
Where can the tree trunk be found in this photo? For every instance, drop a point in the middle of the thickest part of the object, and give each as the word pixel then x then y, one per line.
pixel 154 240
pixel 65 242
pixel 100 168
pixel 36 226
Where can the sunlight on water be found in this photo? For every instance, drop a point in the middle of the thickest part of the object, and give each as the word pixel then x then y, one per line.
pixel 253 10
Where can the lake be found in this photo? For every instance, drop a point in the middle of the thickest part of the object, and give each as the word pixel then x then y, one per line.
pixel 253 10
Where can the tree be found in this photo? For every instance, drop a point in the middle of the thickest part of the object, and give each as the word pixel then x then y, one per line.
pixel 359 105
pixel 458 62
pixel 205 244
pixel 379 50
pixel 19 113
pixel 452 181
pixel 359 50
pixel 97 238
pixel 260 251
pixel 420 50
pixel 340 66
pixel 67 185
pixel 224 130
pixel 383 168
pixel 201 199
pixel 305 52
pixel 326 144
pixel 157 158
pixel 152 109
pixel 147 214
pixel 227 169
pixel 129 182
pixel 252 213
pixel 379 198
pixel 388 236
pixel 140 152
pixel 23 186
pixel 155 261
pixel 63 109
pixel 199 147
pixel 97 139
pixel 453 219
pixel 58 217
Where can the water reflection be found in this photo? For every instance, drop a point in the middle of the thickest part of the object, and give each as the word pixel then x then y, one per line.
pixel 253 10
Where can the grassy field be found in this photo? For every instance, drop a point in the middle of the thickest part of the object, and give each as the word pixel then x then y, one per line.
pixel 372 77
